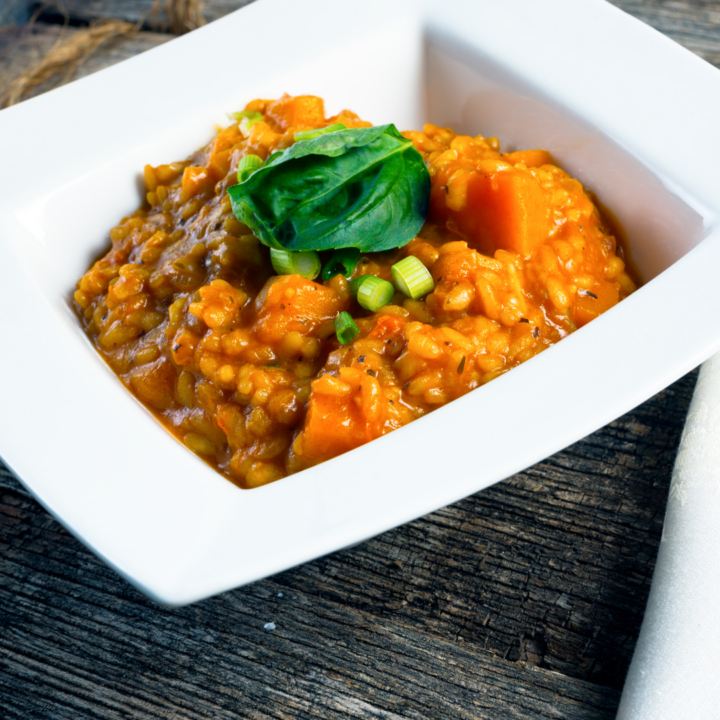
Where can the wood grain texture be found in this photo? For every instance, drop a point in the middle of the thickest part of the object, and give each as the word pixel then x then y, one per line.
pixel 523 601
pixel 21 48
pixel 14 12
pixel 153 16
pixel 693 23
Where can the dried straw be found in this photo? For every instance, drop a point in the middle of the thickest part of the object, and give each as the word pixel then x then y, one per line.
pixel 184 15
pixel 71 50
pixel 64 58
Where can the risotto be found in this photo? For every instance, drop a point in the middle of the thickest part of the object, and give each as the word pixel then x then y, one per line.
pixel 263 365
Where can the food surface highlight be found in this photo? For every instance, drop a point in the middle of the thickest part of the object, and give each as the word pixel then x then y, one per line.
pixel 303 285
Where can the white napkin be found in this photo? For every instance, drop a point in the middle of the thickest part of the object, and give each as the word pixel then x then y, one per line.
pixel 675 671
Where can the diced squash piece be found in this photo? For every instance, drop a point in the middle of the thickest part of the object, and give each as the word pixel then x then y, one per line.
pixel 297 112
pixel 504 210
pixel 195 181
pixel 531 158
pixel 290 303
pixel 342 414
pixel 595 301
pixel 333 426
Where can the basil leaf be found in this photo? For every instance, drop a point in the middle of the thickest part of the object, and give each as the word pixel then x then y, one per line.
pixel 366 188
pixel 342 262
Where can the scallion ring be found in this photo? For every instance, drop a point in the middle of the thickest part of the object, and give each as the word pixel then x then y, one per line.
pixel 374 293
pixel 412 278
pixel 345 328
pixel 342 262
pixel 355 283
pixel 310 134
pixel 247 166
pixel 250 117
pixel 306 264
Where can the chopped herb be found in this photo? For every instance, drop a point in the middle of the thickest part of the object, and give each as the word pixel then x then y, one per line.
pixel 342 262
pixel 447 343
pixel 177 347
pixel 374 293
pixel 536 332
pixel 305 264
pixel 104 317
pixel 247 166
pixel 412 278
pixel 525 320
pixel 461 366
pixel 391 402
pixel 371 372
pixel 282 307
pixel 587 293
pixel 361 359
pixel 345 328
pixel 364 188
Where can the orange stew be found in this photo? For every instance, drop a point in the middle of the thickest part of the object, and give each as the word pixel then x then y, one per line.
pixel 244 366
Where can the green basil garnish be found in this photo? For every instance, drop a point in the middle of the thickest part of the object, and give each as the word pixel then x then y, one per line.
pixel 366 188
pixel 342 262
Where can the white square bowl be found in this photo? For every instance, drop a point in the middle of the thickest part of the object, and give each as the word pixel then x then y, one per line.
pixel 622 108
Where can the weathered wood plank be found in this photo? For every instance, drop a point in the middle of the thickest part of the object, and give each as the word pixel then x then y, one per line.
pixel 14 12
pixel 693 23
pixel 523 601
pixel 84 11
pixel 325 660
pixel 21 48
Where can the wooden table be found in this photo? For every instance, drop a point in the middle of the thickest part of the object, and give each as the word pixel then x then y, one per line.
pixel 523 601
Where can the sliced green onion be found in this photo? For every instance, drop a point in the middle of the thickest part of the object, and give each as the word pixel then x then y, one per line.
pixel 306 264
pixel 345 328
pixel 247 166
pixel 310 134
pixel 354 285
pixel 374 293
pixel 342 262
pixel 250 117
pixel 412 278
